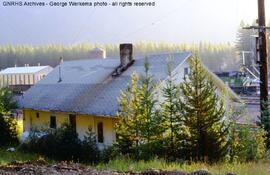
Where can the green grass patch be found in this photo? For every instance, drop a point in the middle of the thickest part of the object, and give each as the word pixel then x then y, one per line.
pixel 123 164
pixel 6 157
pixel 251 168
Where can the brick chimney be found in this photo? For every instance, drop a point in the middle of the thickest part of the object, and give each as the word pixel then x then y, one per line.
pixel 126 54
pixel 126 59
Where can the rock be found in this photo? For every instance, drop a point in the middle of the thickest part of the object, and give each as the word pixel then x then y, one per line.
pixel 173 173
pixel 151 172
pixel 11 149
pixel 201 172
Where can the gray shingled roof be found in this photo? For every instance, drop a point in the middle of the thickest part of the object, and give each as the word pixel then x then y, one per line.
pixel 87 86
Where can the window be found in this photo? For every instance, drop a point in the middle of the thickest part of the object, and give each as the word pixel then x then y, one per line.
pixel 185 71
pixel 37 115
pixel 72 121
pixel 53 122
pixel 100 132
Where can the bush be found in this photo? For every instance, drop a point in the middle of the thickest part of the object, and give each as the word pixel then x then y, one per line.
pixel 64 144
pixel 8 131
pixel 109 153
pixel 67 142
pixel 246 143
pixel 89 149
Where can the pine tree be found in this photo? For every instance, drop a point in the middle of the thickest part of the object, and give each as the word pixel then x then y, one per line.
pixel 7 101
pixel 245 42
pixel 203 114
pixel 8 131
pixel 171 110
pixel 150 121
pixel 128 123
pixel 137 120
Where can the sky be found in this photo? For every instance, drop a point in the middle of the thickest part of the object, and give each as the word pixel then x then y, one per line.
pixel 171 21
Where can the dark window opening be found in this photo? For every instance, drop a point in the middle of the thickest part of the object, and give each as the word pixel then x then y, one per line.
pixel 72 121
pixel 37 115
pixel 100 132
pixel 185 71
pixel 53 122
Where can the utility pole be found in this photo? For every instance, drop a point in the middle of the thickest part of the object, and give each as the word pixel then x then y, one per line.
pixel 263 59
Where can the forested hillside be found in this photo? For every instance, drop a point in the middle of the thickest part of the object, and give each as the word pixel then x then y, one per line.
pixel 216 56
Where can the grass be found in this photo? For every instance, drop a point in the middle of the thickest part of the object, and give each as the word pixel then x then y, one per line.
pixel 251 168
pixel 122 164
pixel 7 157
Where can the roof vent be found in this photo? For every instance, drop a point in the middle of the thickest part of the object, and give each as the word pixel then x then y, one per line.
pixel 60 71
pixel 98 53
pixel 126 59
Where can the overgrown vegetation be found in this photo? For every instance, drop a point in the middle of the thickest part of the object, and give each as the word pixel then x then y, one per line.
pixel 244 168
pixel 8 125
pixel 189 124
pixel 64 144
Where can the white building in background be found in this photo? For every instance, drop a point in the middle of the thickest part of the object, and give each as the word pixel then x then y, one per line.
pixel 20 79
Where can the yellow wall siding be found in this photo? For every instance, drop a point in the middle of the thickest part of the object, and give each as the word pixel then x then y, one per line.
pixel 31 120
pixel 83 122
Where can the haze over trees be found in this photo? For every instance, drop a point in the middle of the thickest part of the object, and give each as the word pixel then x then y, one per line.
pixel 216 56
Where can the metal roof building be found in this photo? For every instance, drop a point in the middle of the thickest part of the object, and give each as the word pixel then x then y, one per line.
pixel 88 87
pixel 20 79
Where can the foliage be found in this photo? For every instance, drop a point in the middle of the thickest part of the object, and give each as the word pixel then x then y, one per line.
pixel 247 143
pixel 138 122
pixel 246 42
pixel 150 129
pixel 64 144
pixel 171 113
pixel 127 125
pixel 19 156
pixel 7 101
pixel 264 122
pixel 246 140
pixel 248 168
pixel 89 150
pixel 8 131
pixel 203 114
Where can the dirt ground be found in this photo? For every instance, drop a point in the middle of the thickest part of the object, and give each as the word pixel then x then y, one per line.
pixel 41 167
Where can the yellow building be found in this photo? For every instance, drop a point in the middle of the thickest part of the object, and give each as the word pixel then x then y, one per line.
pixel 84 93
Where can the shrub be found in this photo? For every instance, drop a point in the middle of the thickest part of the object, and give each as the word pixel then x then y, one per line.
pixel 109 153
pixel 64 144
pixel 246 143
pixel 8 131
pixel 68 144
pixel 89 149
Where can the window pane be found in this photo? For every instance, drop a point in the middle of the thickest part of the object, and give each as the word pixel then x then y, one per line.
pixel 100 132
pixel 72 121
pixel 53 122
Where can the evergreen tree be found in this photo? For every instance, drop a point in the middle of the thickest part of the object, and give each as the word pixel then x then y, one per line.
pixel 128 124
pixel 150 121
pixel 264 122
pixel 246 42
pixel 7 101
pixel 8 131
pixel 138 123
pixel 171 110
pixel 203 114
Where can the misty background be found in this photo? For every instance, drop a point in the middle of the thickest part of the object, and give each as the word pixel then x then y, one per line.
pixel 33 35
pixel 172 21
